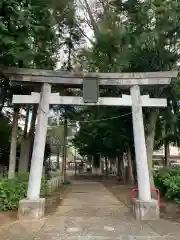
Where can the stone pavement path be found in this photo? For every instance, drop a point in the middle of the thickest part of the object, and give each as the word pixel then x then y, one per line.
pixel 90 211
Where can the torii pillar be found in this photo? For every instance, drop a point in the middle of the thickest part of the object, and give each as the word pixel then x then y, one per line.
pixel 145 208
pixel 34 206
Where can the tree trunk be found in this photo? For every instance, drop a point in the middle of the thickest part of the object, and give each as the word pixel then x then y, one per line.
pixel 26 122
pixel 150 135
pixel 23 165
pixel 75 166
pixel 119 175
pixel 92 20
pixel 12 160
pixel 123 173
pixel 96 164
pixel 106 164
pixel 31 134
pixel 58 155
pixel 166 153
pixel 64 150
pixel 130 168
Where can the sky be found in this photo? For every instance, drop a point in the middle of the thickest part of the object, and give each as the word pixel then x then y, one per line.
pixel 87 30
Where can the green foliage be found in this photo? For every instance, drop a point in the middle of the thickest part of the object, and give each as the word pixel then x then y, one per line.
pixel 107 137
pixel 131 36
pixel 31 35
pixel 55 134
pixel 167 180
pixel 67 182
pixel 28 32
pixel 5 132
pixel 13 190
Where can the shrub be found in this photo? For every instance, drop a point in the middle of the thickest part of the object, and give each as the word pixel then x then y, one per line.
pixel 167 180
pixel 13 190
pixel 67 182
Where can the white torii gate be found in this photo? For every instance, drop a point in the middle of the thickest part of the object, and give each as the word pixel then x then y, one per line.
pixel 145 207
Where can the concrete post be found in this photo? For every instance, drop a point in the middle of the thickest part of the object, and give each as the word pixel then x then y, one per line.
pixel 39 144
pixel 140 146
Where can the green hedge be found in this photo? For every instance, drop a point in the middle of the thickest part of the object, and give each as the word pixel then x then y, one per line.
pixel 12 190
pixel 167 180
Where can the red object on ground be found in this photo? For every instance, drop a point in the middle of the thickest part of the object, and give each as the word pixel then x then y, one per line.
pixel 152 190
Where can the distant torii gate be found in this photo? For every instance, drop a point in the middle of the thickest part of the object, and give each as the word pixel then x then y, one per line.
pixel 145 207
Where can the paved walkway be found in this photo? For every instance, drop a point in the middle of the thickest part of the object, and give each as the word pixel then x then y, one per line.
pixel 90 211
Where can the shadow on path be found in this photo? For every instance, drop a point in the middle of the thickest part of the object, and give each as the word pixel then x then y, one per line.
pixel 90 211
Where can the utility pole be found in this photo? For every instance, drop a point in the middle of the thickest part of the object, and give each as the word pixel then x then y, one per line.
pixel 64 149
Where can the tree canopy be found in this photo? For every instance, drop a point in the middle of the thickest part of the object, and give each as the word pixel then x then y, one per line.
pixel 131 36
pixel 32 34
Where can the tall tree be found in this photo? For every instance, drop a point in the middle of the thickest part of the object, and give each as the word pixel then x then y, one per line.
pixel 137 36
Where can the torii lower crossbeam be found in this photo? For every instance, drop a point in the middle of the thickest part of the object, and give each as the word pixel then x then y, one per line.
pixel 125 100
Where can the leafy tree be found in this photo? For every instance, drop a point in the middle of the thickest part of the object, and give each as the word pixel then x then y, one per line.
pixel 31 34
pixel 137 36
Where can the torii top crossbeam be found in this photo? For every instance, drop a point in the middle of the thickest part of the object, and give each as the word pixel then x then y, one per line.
pixel 75 79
